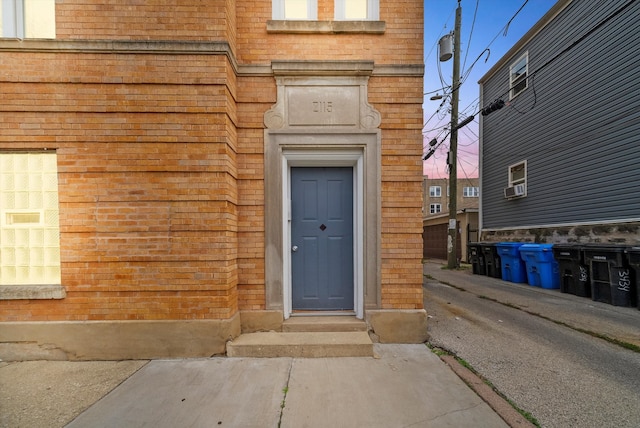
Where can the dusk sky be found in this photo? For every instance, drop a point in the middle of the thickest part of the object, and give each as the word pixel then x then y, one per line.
pixel 487 31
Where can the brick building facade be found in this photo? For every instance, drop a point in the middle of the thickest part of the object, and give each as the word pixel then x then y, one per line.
pixel 175 126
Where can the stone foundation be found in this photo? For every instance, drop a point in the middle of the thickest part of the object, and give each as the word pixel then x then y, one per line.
pixel 398 326
pixel 256 321
pixel 116 340
pixel 618 234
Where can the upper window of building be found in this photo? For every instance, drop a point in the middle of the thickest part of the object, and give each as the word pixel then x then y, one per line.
pixel 357 10
pixel 28 19
pixel 470 192
pixel 517 181
pixel 295 9
pixel 29 226
pixel 518 173
pixel 435 191
pixel 518 73
pixel 344 10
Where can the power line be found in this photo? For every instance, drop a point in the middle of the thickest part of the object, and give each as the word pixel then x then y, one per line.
pixel 573 45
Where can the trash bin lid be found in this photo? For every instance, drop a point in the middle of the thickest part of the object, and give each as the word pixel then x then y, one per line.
pixel 509 248
pixel 605 253
pixel 536 247
pixel 633 256
pixel 567 252
pixel 537 252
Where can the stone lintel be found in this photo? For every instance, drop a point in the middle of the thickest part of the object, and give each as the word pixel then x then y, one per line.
pixel 322 68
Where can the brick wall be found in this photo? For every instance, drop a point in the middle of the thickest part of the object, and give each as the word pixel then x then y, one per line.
pixel 146 148
pixel 144 20
pixel 161 156
pixel 399 100
pixel 400 44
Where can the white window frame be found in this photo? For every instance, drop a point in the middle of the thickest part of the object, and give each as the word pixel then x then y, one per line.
pixel 520 180
pixel 435 191
pixel 278 11
pixel 513 181
pixel 13 19
pixel 470 192
pixel 373 11
pixel 435 208
pixel 514 82
pixel 23 19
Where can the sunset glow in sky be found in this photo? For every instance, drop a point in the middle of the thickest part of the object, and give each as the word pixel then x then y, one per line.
pixel 489 30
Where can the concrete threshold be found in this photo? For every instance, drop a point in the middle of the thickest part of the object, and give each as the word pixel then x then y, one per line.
pixel 302 344
pixel 323 324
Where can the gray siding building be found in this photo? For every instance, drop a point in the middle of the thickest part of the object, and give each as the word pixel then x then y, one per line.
pixel 560 162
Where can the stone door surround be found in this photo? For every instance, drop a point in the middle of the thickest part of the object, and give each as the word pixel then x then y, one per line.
pixel 322 118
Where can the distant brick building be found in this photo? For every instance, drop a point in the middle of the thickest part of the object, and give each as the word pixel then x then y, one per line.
pixel 159 161
pixel 435 213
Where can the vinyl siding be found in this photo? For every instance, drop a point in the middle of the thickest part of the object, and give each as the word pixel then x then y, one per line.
pixel 577 124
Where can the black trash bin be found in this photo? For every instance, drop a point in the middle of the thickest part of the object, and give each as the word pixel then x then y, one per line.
pixel 476 258
pixel 610 275
pixel 491 259
pixel 574 273
pixel 633 257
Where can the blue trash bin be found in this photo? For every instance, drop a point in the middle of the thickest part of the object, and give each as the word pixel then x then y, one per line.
pixel 542 269
pixel 512 265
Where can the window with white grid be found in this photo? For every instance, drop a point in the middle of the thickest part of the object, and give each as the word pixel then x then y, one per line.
pixel 29 219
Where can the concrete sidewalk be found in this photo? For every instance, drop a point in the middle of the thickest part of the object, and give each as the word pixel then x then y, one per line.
pixel 404 385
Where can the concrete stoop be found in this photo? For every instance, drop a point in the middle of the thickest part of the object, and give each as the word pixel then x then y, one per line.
pixel 307 337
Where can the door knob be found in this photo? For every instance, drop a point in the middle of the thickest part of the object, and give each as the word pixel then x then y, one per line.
pixel 294 248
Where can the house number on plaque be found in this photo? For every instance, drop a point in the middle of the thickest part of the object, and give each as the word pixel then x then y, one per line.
pixel 322 106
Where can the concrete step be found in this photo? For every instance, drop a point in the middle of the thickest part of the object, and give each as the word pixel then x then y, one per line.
pixel 301 344
pixel 323 323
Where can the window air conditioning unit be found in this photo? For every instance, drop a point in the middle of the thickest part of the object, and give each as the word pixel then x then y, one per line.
pixel 514 191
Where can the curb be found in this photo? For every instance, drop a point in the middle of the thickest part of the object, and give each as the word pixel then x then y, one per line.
pixel 510 415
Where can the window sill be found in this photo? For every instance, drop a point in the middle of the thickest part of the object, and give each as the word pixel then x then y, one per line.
pixel 326 27
pixel 32 292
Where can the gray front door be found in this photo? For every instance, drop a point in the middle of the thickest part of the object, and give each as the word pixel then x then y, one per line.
pixel 322 238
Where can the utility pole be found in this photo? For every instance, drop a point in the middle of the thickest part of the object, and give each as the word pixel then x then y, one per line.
pixel 452 259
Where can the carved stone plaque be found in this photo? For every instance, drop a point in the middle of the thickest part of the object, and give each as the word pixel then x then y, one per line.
pixel 323 105
pixel 311 97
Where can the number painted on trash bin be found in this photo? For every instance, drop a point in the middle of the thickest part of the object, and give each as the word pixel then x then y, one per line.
pixel 624 282
pixel 583 274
